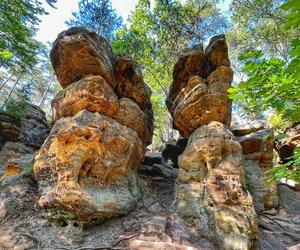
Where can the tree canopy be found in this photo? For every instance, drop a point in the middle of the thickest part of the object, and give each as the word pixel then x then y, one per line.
pixel 97 15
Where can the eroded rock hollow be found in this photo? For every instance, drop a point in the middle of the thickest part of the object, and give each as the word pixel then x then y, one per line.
pixel 210 188
pixel 87 167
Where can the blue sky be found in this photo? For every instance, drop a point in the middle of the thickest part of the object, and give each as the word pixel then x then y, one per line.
pixel 54 23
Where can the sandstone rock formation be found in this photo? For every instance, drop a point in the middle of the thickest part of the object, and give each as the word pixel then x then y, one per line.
pixel 200 82
pixel 87 168
pixel 285 148
pixel 210 188
pixel 20 138
pixel 257 146
pixel 94 94
pixel 78 52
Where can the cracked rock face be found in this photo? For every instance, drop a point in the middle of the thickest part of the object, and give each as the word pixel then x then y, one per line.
pixel 87 168
pixel 211 187
pixel 198 93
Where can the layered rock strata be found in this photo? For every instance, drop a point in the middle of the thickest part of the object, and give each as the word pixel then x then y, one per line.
pixel 87 168
pixel 198 93
pixel 210 188
pixel 20 138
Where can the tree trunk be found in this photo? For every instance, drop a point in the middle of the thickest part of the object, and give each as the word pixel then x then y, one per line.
pixel 3 84
pixel 12 90
pixel 46 92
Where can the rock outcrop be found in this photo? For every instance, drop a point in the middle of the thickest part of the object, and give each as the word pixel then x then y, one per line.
pixel 210 188
pixel 87 168
pixel 257 146
pixel 198 93
pixel 20 138
pixel 285 148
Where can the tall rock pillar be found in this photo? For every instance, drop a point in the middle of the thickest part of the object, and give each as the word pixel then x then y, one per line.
pixel 87 168
pixel 210 188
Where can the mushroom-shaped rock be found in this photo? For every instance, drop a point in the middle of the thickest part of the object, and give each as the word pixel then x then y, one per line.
pixel 198 93
pixel 87 168
pixel 211 187
pixel 78 52
pixel 195 61
pixel 202 101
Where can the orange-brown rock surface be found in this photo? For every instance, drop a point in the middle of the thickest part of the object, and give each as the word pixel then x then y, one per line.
pixel 93 93
pixel 87 168
pixel 211 187
pixel 257 147
pixel 198 93
pixel 285 147
pixel 78 52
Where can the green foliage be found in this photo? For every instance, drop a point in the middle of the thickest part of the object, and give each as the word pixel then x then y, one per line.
pixel 290 170
pixel 156 34
pixel 257 24
pixel 16 107
pixel 99 16
pixel 293 22
pixel 269 86
pixel 18 21
pixel 278 123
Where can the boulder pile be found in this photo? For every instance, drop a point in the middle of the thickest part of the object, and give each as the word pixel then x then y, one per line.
pixel 210 188
pixel 87 168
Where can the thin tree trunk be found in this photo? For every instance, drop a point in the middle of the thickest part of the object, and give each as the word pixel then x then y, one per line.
pixel 12 90
pixel 46 92
pixel 3 84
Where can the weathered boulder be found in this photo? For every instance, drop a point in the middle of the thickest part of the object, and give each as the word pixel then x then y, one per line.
pixel 201 102
pixel 263 190
pixel 9 129
pixel 245 129
pixel 86 169
pixel 130 83
pixel 257 147
pixel 34 127
pixel 211 187
pixel 16 153
pixel 197 62
pixel 94 94
pixel 78 52
pixel 190 63
pixel 29 130
pixel 198 93
pixel 216 53
pixel 20 138
pixel 285 147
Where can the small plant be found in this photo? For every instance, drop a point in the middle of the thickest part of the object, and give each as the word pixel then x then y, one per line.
pixel 289 170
